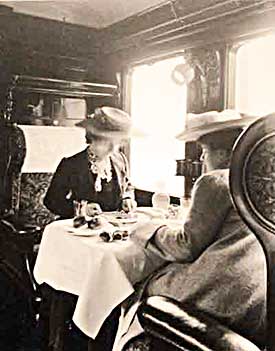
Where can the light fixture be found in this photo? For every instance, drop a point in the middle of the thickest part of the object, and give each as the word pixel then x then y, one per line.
pixel 183 73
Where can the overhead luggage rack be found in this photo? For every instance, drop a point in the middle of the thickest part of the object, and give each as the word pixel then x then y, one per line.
pixel 65 88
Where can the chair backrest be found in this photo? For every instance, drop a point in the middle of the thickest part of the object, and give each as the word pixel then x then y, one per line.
pixel 46 146
pixel 12 156
pixel 33 190
pixel 252 182
pixel 21 194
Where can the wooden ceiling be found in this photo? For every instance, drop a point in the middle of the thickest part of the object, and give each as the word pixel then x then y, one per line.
pixel 89 13
pixel 180 19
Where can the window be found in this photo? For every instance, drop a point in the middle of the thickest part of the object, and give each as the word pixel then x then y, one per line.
pixel 255 76
pixel 158 107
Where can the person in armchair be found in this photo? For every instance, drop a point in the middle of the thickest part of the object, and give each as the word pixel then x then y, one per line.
pixel 100 173
pixel 213 261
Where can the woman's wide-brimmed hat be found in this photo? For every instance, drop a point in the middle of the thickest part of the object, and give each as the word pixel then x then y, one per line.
pixel 108 122
pixel 201 124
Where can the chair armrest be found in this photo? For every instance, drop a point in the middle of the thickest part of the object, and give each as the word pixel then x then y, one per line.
pixel 22 235
pixel 187 328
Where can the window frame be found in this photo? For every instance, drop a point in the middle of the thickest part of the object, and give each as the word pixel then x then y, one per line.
pixel 230 75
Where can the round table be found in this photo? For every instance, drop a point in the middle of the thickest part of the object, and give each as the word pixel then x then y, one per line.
pixel 102 274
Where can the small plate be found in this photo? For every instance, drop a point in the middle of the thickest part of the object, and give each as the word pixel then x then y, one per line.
pixel 118 218
pixel 123 220
pixel 85 231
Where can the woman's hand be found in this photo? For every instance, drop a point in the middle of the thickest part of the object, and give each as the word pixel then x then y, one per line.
pixel 128 205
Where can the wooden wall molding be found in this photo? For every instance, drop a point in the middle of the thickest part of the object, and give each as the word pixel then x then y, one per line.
pixel 180 20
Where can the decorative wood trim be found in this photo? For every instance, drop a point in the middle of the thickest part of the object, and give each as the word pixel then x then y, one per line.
pixel 63 87
pixel 230 76
pixel 164 27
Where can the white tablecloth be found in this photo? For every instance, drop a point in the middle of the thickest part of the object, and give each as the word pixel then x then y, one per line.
pixel 101 274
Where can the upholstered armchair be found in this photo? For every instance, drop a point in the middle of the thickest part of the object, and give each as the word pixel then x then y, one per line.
pixel 17 237
pixel 170 325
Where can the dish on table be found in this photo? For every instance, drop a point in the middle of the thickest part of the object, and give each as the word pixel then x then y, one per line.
pixel 120 218
pixel 107 233
pixel 88 226
pixel 116 222
pixel 84 230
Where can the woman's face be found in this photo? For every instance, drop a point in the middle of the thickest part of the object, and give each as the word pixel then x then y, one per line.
pixel 101 147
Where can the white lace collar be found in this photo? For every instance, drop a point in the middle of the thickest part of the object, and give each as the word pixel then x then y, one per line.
pixel 102 168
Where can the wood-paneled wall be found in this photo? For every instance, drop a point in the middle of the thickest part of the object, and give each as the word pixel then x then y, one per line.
pixel 41 47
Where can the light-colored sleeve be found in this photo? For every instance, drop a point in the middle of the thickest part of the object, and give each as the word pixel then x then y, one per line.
pixel 209 207
pixel 146 231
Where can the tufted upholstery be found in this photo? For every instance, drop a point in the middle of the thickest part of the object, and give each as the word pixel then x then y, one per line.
pixel 32 192
pixel 17 237
pixel 13 152
pixel 21 194
pixel 252 179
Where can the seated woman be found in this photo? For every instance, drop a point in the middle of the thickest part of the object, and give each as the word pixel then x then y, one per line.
pixel 99 174
pixel 213 261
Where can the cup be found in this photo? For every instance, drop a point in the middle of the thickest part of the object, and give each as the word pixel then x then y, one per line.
pixel 174 211
pixel 77 208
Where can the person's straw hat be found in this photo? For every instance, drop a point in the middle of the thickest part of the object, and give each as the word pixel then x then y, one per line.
pixel 108 122
pixel 201 124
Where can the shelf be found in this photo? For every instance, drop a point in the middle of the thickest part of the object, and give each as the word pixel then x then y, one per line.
pixel 63 88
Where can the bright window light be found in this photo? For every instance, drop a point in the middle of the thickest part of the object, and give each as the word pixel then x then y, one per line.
pixel 158 107
pixel 255 76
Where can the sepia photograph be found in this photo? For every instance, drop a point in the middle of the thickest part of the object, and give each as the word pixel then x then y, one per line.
pixel 137 175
